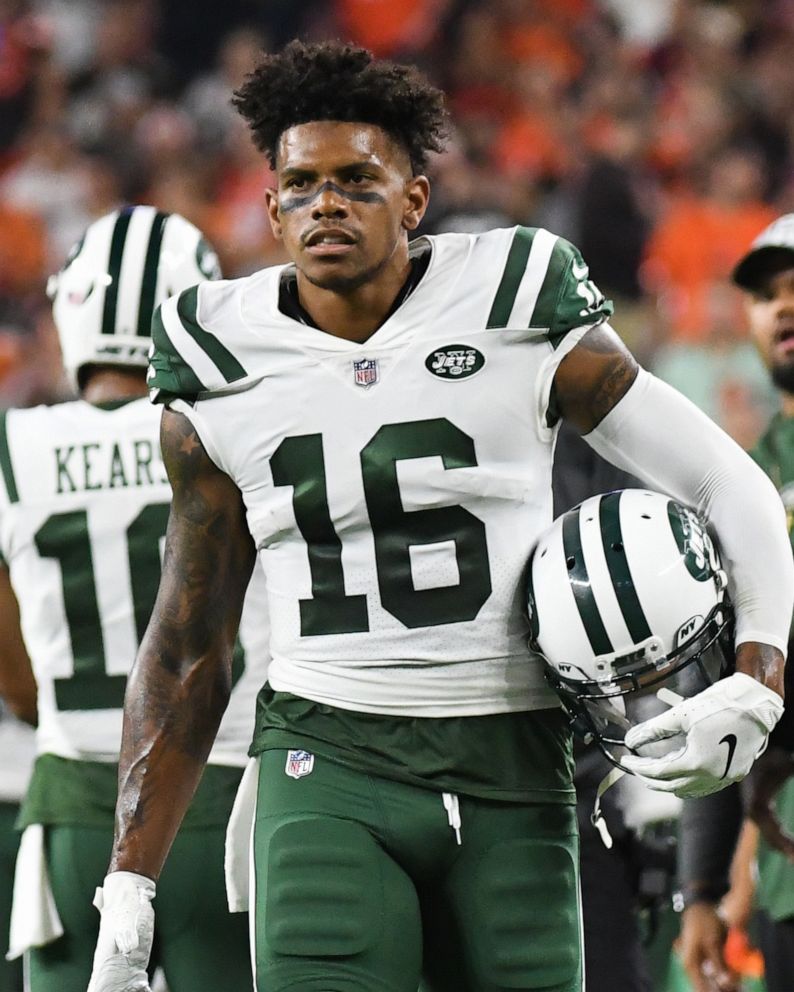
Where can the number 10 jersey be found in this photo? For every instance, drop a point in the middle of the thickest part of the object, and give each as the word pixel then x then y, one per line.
pixel 84 503
pixel 394 488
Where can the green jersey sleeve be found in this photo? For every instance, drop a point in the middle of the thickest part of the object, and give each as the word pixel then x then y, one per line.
pixel 568 297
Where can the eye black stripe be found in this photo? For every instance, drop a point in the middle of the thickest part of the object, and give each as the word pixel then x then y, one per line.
pixel 149 281
pixel 117 243
pixel 619 571
pixel 580 585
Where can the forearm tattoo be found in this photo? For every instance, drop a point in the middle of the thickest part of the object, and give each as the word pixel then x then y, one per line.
pixel 181 681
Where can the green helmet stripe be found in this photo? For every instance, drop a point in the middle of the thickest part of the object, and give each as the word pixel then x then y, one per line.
pixel 513 273
pixel 619 571
pixel 117 243
pixel 580 585
pixel 149 282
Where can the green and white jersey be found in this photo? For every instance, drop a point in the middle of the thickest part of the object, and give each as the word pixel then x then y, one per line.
pixel 393 488
pixel 84 503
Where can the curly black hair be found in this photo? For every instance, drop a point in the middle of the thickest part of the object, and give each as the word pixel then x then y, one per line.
pixel 333 81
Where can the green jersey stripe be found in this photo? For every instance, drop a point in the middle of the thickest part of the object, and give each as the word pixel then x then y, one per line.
pixel 149 281
pixel 553 283
pixel 619 571
pixel 6 466
pixel 227 364
pixel 117 242
pixel 168 372
pixel 581 588
pixel 514 269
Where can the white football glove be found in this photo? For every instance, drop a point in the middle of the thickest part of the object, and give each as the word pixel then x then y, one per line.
pixel 725 727
pixel 126 932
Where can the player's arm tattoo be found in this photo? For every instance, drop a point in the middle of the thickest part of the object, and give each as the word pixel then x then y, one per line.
pixel 181 680
pixel 591 379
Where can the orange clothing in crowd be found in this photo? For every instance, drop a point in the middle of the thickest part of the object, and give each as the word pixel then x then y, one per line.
pixel 23 250
pixel 387 28
pixel 695 244
pixel 529 144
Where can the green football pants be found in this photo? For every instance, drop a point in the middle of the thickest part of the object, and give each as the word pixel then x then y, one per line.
pixel 200 946
pixel 10 971
pixel 361 886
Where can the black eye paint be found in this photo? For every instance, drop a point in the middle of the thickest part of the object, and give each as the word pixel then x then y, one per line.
pixel 297 202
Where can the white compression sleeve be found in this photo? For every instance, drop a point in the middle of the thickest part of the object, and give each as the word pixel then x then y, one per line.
pixel 661 437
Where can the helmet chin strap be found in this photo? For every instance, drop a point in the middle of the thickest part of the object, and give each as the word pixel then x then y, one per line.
pixel 664 695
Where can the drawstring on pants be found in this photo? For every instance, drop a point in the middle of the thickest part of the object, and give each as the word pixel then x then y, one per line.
pixel 452 807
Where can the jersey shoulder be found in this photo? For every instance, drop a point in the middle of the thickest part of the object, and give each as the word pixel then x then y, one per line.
pixel 202 341
pixel 536 279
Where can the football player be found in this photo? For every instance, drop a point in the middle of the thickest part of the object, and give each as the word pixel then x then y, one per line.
pixel 84 503
pixel 711 826
pixel 378 421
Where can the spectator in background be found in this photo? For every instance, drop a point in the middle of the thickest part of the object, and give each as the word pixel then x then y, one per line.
pixel 711 826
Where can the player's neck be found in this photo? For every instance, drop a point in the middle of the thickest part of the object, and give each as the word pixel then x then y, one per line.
pixel 357 314
pixel 108 385
pixel 787 404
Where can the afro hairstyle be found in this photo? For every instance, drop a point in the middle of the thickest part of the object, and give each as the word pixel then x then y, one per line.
pixel 332 81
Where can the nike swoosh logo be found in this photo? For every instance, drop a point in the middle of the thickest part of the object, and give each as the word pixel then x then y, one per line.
pixel 730 740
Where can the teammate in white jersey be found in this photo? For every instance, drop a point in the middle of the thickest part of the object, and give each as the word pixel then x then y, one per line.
pixel 84 504
pixel 381 421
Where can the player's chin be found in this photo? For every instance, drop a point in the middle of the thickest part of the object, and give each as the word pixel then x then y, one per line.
pixel 337 277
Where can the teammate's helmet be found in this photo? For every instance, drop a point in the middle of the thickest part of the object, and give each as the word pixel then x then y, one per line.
pixel 125 264
pixel 626 592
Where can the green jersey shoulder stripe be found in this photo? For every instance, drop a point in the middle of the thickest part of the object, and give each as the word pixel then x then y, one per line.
pixel 224 360
pixel 522 278
pixel 619 571
pixel 169 375
pixel 581 588
pixel 117 242
pixel 6 465
pixel 553 284
pixel 149 280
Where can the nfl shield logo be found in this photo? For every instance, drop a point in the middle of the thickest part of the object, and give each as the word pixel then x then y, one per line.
pixel 299 763
pixel 365 372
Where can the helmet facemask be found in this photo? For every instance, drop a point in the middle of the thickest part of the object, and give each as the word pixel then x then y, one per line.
pixel 680 588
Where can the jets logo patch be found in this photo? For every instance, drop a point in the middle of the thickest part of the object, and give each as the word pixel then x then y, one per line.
pixel 299 763
pixel 454 362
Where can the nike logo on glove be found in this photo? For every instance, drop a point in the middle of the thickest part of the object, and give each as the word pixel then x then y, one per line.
pixel 730 740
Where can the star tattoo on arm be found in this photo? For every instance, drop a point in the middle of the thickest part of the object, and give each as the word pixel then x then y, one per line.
pixel 189 444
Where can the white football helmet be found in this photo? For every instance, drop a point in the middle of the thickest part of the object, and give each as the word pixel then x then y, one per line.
pixel 125 264
pixel 626 592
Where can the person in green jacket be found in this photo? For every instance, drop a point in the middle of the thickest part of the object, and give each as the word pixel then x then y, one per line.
pixel 711 826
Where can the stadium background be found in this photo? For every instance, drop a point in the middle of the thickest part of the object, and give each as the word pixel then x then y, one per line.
pixel 658 136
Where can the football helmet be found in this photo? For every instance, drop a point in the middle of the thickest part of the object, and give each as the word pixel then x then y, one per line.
pixel 126 263
pixel 627 597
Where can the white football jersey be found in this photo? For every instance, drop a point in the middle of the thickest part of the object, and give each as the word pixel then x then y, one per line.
pixel 394 488
pixel 83 511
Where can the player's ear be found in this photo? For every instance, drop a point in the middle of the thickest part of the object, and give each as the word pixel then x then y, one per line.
pixel 271 203
pixel 417 196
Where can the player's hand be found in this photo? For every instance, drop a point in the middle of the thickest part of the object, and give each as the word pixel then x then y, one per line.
pixel 700 947
pixel 724 729
pixel 126 932
pixel 768 774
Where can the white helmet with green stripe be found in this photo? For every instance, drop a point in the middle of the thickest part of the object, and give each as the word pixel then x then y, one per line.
pixel 627 595
pixel 126 263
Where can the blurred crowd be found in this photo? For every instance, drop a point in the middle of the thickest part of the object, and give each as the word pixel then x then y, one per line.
pixel 658 136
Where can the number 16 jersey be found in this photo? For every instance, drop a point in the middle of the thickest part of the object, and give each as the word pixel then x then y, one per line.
pixel 394 488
